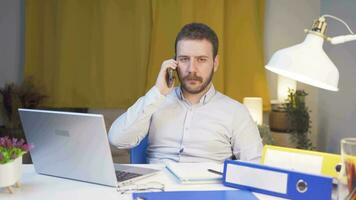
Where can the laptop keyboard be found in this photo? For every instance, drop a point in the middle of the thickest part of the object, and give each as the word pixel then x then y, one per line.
pixel 123 176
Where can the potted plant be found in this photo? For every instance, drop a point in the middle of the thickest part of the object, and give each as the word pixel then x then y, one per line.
pixel 12 97
pixel 299 119
pixel 11 151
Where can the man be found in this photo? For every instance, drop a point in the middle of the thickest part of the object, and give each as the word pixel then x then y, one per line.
pixel 193 122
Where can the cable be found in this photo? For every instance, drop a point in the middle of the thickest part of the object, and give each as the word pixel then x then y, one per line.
pixel 340 20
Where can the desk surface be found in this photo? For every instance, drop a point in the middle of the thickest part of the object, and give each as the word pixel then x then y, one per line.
pixel 36 186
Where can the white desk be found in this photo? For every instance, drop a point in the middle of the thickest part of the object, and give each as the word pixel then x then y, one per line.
pixel 35 187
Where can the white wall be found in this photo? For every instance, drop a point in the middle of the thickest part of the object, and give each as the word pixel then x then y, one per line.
pixel 11 44
pixel 337 110
pixel 11 41
pixel 285 21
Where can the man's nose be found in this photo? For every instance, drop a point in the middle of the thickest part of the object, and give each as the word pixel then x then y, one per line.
pixel 192 65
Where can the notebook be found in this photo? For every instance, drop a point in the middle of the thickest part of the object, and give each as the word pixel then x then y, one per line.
pixel 194 195
pixel 195 173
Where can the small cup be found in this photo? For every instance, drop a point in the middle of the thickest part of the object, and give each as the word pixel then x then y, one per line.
pixel 347 180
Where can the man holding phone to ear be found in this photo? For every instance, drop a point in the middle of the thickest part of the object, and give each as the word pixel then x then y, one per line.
pixel 192 122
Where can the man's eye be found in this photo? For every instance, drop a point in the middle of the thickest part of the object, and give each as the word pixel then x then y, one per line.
pixel 202 59
pixel 183 59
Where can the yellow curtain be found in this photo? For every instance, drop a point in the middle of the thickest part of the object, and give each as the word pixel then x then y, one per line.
pixel 107 53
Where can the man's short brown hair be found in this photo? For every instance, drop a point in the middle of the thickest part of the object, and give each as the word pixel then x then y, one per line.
pixel 198 31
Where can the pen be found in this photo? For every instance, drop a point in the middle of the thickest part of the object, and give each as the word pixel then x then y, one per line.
pixel 215 172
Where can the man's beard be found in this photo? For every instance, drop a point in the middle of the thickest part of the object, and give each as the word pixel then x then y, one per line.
pixel 192 76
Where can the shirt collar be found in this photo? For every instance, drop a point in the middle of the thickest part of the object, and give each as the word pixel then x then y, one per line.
pixel 203 100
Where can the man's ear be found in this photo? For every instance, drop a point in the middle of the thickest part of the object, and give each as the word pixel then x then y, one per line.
pixel 216 63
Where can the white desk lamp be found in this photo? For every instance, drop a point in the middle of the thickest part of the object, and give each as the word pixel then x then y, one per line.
pixel 307 62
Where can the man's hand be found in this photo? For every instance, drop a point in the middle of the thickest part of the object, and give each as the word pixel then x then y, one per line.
pixel 161 82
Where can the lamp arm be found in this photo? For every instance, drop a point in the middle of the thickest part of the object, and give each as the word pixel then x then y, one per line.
pixel 342 38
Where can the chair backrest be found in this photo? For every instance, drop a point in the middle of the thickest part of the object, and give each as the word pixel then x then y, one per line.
pixel 138 153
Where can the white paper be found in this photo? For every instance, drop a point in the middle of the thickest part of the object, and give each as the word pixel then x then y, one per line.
pixel 257 178
pixel 294 161
pixel 190 172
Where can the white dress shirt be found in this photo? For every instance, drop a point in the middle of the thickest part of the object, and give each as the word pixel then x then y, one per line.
pixel 210 131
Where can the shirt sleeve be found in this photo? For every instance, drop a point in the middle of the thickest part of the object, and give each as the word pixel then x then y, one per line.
pixel 246 140
pixel 131 127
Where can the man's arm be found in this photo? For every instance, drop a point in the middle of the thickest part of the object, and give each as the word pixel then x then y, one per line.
pixel 246 140
pixel 132 126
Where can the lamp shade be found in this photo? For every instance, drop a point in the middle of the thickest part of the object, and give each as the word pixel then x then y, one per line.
pixel 306 62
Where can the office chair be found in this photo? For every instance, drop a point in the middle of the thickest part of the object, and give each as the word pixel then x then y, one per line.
pixel 138 153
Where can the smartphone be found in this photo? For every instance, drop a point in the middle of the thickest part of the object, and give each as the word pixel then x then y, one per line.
pixel 170 76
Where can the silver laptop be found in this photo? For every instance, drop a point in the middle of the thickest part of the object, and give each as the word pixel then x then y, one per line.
pixel 75 146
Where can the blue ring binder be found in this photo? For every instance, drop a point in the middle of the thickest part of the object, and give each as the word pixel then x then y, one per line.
pixel 257 178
